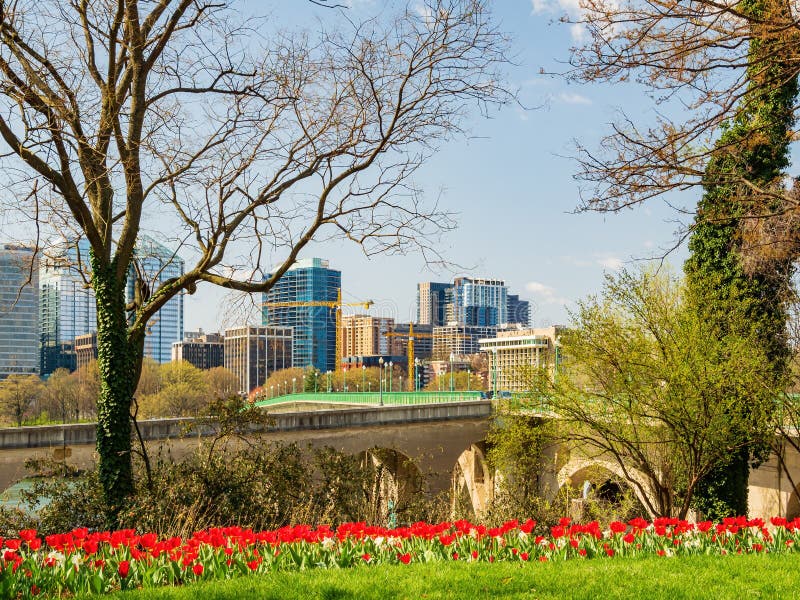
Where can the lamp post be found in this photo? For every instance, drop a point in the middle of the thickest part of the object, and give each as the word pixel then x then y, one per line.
pixel 363 377
pixel 272 391
pixel 494 373
pixel 344 379
pixel 328 374
pixel 416 374
pixel 469 379
pixel 285 387
pixel 380 379
pixel 294 382
pixel 316 373
pixel 391 364
pixel 452 358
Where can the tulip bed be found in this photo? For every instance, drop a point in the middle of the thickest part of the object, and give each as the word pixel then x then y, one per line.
pixel 81 562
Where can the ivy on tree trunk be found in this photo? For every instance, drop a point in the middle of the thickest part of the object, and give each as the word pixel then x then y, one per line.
pixel 753 149
pixel 119 357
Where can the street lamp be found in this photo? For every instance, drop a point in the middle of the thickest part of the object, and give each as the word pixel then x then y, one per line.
pixel 344 379
pixel 271 391
pixel 380 378
pixel 391 364
pixel 494 373
pixel 316 374
pixel 452 358
pixel 469 379
pixel 363 376
pixel 285 387
pixel 328 374
pixel 416 374
pixel 294 380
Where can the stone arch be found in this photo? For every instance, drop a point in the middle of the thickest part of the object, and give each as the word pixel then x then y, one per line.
pixel 793 505
pixel 473 477
pixel 397 480
pixel 579 470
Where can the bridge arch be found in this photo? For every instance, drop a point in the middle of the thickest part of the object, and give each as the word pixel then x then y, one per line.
pixel 473 478
pixel 596 471
pixel 397 479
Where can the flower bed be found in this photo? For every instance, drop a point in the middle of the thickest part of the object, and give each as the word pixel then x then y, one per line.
pixel 97 562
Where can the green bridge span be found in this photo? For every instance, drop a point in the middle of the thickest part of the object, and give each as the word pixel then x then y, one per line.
pixel 371 398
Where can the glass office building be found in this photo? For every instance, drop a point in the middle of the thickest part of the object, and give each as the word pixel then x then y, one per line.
pixel 67 307
pixel 307 280
pixel 478 302
pixel 157 264
pixel 19 311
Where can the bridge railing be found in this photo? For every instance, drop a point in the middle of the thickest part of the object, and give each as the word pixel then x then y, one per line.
pixel 372 398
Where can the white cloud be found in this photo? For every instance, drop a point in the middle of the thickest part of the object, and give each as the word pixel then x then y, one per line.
pixel 572 98
pixel 612 263
pixel 578 32
pixel 573 7
pixel 545 294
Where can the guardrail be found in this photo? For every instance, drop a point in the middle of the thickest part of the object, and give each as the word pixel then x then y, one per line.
pixel 373 398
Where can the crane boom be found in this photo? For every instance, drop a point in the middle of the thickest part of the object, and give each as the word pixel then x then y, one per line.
pixel 335 305
pixel 410 355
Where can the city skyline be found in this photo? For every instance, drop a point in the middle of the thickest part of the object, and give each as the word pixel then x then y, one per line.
pixel 511 186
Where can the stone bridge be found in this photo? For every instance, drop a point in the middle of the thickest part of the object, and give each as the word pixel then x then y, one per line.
pixel 443 440
pixel 407 441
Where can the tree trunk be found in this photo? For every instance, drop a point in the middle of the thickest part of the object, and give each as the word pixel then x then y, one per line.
pixel 118 354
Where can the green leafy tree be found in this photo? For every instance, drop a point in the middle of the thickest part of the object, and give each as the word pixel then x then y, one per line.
pixel 221 383
pixel 18 394
pixel 181 392
pixel 62 396
pixel 461 381
pixel 651 386
pixel 241 144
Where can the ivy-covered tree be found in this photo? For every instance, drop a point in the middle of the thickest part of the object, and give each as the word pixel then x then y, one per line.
pixel 731 290
pixel 236 141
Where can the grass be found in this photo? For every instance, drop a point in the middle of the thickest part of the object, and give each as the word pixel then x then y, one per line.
pixel 738 577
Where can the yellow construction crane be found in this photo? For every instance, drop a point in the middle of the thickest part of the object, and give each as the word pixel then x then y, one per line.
pixel 410 335
pixel 336 305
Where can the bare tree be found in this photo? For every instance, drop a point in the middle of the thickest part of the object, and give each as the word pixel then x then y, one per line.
pixel 243 143
pixel 705 64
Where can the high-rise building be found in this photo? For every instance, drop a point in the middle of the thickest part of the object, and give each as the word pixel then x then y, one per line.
pixel 478 302
pixel 513 351
pixel 156 264
pixel 67 306
pixel 519 311
pixel 253 353
pixel 205 351
pixel 432 302
pixel 459 340
pixel 19 311
pixel 314 327
pixel 86 349
pixel 363 335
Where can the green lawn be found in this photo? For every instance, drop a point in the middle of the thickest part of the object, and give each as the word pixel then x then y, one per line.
pixel 739 577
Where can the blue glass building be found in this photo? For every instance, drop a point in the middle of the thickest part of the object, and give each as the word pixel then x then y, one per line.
pixel 67 306
pixel 478 302
pixel 19 308
pixel 307 280
pixel 157 264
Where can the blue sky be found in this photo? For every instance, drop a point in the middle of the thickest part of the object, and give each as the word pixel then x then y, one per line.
pixel 512 185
